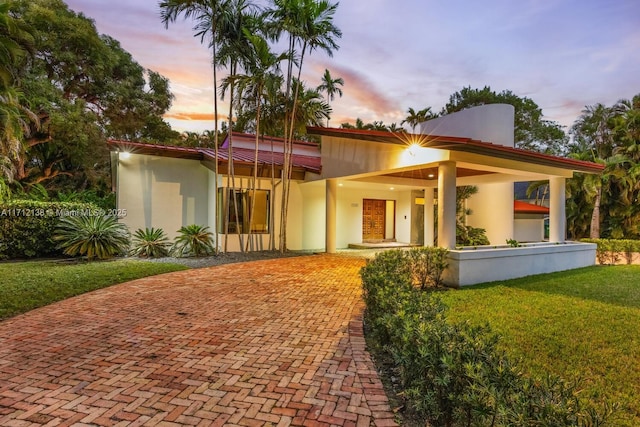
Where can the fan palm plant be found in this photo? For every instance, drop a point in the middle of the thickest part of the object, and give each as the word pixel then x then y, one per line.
pixel 92 236
pixel 151 243
pixel 193 240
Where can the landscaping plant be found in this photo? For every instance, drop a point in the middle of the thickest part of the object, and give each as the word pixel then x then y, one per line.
pixel 455 374
pixel 27 227
pixel 193 240
pixel 151 243
pixel 93 236
pixel 427 265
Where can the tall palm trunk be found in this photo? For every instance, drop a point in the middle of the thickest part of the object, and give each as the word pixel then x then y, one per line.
pixel 594 232
pixel 232 174
pixel 215 139
pixel 254 186
pixel 288 148
pixel 282 243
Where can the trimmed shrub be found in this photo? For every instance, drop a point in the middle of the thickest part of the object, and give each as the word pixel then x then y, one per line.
pixel 27 226
pixel 93 236
pixel 455 374
pixel 427 265
pixel 610 251
pixel 193 240
pixel 150 243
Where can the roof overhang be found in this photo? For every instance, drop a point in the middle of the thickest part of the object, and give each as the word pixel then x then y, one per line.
pixel 242 158
pixel 458 144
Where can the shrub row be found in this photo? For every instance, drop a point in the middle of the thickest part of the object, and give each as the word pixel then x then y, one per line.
pixel 27 226
pixel 104 237
pixel 455 374
pixel 610 251
pixel 31 229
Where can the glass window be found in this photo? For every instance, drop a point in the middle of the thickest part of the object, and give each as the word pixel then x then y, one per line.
pixel 235 207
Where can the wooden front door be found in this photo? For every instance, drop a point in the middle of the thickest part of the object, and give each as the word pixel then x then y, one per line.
pixel 373 219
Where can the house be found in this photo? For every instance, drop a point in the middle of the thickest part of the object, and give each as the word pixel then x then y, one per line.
pixel 360 186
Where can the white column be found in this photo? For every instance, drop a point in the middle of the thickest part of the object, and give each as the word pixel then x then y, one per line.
pixel 447 205
pixel 428 217
pixel 330 233
pixel 557 209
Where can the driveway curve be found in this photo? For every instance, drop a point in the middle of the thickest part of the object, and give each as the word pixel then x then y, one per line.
pixel 276 342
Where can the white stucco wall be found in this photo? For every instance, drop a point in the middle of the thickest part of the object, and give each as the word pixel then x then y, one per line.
pixel 313 215
pixel 488 123
pixel 349 214
pixel 470 267
pixel 528 229
pixel 492 206
pixel 169 193
pixel 492 209
pixel 162 192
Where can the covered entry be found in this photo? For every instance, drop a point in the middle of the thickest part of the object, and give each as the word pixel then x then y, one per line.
pixel 378 220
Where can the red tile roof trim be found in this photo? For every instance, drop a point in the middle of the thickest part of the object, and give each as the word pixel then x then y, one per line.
pixel 461 144
pixel 528 208
pixel 240 155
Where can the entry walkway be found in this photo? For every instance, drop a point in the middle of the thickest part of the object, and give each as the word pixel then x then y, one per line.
pixel 275 342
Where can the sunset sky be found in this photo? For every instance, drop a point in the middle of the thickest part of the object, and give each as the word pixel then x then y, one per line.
pixel 396 54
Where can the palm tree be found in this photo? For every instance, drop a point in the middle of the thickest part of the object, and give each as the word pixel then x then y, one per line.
pixel 414 118
pixel 331 87
pixel 207 15
pixel 263 68
pixel 240 21
pixel 592 132
pixel 309 25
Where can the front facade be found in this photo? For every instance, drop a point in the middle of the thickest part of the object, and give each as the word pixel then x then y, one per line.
pixel 356 186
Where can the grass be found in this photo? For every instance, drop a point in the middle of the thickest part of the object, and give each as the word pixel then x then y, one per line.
pixel 582 324
pixel 28 285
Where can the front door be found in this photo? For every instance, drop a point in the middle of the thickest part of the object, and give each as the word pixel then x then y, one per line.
pixel 373 219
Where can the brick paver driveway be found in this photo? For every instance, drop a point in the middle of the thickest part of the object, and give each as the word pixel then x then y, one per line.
pixel 275 342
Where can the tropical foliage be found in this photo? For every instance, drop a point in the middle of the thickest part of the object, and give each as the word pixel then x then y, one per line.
pixel 150 243
pixel 65 89
pixel 606 205
pixel 93 236
pixel 456 374
pixel 193 240
pixel 27 226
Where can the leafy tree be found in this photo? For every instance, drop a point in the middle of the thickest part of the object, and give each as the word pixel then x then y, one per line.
pixel 610 136
pixel 532 132
pixel 83 88
pixel 16 44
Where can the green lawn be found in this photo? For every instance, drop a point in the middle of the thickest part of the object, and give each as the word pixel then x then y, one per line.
pixel 28 285
pixel 581 324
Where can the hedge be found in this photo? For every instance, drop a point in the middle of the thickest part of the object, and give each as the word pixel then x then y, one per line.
pixel 609 251
pixel 27 226
pixel 456 374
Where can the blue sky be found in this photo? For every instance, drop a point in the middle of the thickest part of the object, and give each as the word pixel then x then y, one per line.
pixel 396 54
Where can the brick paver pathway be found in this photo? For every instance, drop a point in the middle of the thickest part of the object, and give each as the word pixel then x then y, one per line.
pixel 275 342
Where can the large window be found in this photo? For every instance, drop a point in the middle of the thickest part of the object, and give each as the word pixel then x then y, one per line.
pixel 244 200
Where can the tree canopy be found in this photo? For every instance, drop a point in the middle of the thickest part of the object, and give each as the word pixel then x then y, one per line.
pixel 532 131
pixel 82 87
